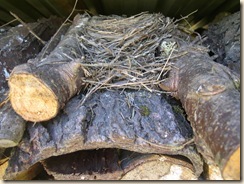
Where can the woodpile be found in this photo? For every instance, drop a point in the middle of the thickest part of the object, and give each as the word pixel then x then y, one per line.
pixel 17 46
pixel 98 105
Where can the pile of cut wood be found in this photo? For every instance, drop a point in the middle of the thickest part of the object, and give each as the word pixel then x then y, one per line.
pixel 117 98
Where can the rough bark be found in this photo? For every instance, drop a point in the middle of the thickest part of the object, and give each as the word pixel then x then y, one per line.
pixel 12 127
pixel 40 88
pixel 223 39
pixel 17 46
pixel 210 95
pixel 137 121
pixel 115 164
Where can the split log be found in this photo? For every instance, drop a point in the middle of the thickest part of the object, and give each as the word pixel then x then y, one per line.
pixel 40 88
pixel 17 46
pixel 210 95
pixel 115 164
pixel 138 121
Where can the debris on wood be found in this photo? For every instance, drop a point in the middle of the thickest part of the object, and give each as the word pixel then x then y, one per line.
pixel 125 57
pixel 210 95
pixel 17 46
pixel 96 93
pixel 109 119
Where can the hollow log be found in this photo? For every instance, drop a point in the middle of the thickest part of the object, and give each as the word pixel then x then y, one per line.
pixel 116 164
pixel 210 95
pixel 40 88
pixel 138 121
pixel 100 164
pixel 17 46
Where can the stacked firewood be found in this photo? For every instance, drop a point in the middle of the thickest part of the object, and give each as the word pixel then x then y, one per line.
pixel 121 98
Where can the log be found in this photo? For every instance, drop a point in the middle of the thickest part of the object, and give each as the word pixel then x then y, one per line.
pixel 138 121
pixel 12 127
pixel 210 95
pixel 40 88
pixel 137 166
pixel 212 172
pixel 17 46
pixel 100 164
pixel 223 40
pixel 115 164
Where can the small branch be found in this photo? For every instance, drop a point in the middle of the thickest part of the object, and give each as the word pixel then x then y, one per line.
pixel 8 23
pixel 60 28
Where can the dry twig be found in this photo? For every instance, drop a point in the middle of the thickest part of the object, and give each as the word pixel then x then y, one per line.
pixel 119 52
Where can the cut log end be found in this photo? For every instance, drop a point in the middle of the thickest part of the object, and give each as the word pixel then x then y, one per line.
pixel 31 98
pixel 232 169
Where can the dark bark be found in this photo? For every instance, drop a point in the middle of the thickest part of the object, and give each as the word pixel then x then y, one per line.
pixel 43 86
pixel 210 95
pixel 223 39
pixel 17 46
pixel 136 121
pixel 85 165
pixel 115 164
pixel 12 127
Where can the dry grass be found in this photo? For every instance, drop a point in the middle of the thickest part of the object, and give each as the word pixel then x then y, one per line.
pixel 133 52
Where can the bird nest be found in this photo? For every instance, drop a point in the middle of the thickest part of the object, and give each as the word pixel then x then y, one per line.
pixel 133 52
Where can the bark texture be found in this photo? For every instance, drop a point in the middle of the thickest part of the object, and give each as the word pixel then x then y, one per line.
pixel 12 127
pixel 40 88
pixel 224 41
pixel 210 95
pixel 16 47
pixel 137 121
pixel 116 164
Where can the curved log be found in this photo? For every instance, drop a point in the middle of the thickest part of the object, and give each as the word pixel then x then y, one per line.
pixel 137 121
pixel 210 96
pixel 116 164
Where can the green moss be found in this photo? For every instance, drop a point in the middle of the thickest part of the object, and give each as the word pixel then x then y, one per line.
pixel 237 84
pixel 178 109
pixel 144 110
